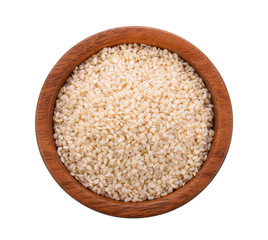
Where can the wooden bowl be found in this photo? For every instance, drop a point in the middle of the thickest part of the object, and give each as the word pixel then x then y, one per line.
pixel 155 37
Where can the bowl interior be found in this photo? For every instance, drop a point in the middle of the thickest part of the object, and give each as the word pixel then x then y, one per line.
pixel 140 35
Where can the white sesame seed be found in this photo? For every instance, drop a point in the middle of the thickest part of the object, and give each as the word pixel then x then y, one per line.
pixel 133 123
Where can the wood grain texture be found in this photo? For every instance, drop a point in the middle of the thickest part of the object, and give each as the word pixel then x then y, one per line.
pixel 222 122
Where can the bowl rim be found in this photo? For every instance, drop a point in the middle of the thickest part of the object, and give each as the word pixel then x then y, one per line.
pixel 223 120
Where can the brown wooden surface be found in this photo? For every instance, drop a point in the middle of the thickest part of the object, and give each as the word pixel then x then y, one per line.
pixel 155 37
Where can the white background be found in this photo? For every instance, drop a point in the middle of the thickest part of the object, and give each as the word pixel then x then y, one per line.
pixel 35 34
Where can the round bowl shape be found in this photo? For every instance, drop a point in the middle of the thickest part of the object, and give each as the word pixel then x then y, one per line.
pixel 223 120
